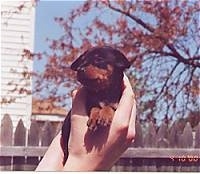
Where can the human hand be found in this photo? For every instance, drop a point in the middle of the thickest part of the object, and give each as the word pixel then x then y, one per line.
pixel 100 149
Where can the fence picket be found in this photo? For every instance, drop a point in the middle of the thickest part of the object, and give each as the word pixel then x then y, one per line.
pixel 58 128
pixel 138 142
pixel 180 124
pixel 6 137
pixel 162 142
pixel 19 140
pixel 186 139
pixel 162 131
pixel 149 141
pixel 196 167
pixel 197 136
pixel 162 134
pixel 33 140
pixel 47 134
pixel 173 135
pixel 150 138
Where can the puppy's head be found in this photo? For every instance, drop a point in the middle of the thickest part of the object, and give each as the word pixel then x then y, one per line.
pixel 96 66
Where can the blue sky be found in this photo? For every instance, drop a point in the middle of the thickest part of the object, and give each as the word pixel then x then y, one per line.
pixel 46 27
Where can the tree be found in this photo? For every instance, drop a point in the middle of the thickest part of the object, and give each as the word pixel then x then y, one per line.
pixel 160 38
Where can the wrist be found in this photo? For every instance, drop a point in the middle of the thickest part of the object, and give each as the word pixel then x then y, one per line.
pixel 86 163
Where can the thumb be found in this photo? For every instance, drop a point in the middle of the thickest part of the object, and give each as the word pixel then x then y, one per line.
pixel 73 94
pixel 79 102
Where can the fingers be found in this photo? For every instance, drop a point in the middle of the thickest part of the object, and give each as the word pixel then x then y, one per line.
pixel 123 112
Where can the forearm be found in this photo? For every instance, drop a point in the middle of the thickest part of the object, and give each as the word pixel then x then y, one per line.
pixel 52 160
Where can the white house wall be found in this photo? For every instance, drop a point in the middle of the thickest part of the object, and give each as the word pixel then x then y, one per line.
pixel 17 33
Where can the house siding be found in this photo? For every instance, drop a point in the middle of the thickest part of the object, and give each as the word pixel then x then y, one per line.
pixel 17 34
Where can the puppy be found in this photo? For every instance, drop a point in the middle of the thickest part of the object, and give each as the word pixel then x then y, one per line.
pixel 100 71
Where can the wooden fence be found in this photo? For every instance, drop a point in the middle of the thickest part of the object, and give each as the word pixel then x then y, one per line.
pixel 174 148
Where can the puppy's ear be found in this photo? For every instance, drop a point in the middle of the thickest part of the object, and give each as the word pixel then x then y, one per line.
pixel 79 62
pixel 121 61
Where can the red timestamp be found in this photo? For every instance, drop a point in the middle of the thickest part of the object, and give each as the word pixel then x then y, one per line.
pixel 185 158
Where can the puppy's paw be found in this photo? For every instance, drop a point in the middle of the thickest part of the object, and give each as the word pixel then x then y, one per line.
pixel 105 116
pixel 93 118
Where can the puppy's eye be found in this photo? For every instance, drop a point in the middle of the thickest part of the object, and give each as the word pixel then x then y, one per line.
pixel 82 69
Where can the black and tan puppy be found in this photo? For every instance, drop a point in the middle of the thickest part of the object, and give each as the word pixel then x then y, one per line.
pixel 100 71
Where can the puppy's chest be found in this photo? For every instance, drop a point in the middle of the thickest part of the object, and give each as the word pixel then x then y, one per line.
pixel 101 105
pixel 110 95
